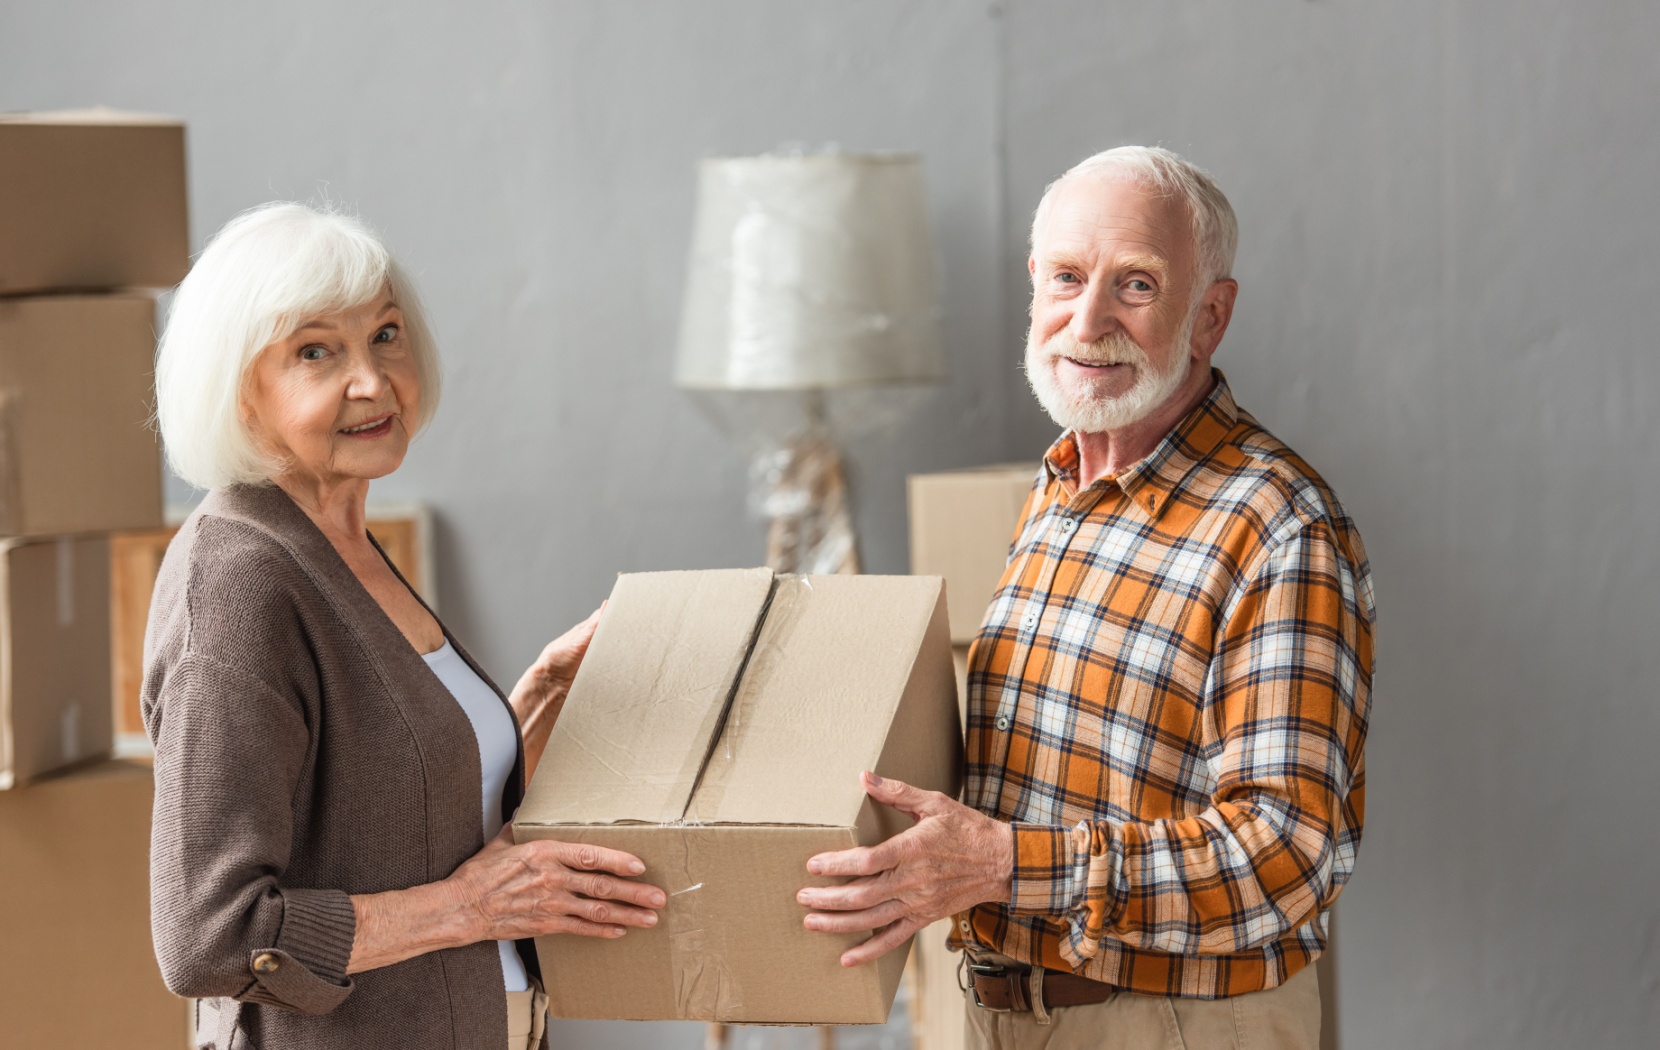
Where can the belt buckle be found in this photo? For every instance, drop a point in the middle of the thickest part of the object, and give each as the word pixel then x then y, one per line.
pixel 990 970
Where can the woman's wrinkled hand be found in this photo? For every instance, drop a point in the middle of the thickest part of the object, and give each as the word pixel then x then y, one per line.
pixel 541 690
pixel 537 888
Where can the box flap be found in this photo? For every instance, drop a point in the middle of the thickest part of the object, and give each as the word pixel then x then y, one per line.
pixel 830 667
pixel 649 698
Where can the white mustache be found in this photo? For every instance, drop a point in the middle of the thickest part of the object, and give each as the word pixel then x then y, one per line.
pixel 1116 349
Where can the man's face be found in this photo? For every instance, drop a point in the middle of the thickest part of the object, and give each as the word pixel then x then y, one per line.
pixel 1112 303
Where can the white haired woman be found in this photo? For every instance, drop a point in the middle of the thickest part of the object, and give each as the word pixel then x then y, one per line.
pixel 329 866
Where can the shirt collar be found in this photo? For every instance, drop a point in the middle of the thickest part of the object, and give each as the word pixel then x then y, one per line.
pixel 1150 480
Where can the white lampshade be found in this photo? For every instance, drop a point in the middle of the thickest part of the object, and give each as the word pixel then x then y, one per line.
pixel 810 272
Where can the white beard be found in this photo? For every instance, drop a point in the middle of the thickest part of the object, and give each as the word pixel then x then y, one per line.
pixel 1081 408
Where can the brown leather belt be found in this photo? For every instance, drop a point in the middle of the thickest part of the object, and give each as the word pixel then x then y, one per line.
pixel 1001 988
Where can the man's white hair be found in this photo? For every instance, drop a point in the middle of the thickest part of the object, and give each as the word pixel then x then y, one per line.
pixel 269 270
pixel 1215 229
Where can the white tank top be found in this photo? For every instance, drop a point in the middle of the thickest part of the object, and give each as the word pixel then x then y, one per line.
pixel 498 749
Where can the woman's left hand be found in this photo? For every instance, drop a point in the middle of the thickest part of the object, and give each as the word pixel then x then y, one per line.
pixel 542 689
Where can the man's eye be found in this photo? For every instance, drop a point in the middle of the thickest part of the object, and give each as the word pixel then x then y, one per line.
pixel 386 334
pixel 1138 285
pixel 313 353
pixel 1067 278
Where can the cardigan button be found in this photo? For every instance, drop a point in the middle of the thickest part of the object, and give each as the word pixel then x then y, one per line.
pixel 265 962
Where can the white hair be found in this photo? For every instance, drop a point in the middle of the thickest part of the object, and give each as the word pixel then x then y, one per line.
pixel 1215 229
pixel 268 271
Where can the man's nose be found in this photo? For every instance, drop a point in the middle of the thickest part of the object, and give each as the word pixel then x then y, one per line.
pixel 1093 316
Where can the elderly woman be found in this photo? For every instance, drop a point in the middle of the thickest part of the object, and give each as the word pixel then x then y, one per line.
pixel 333 771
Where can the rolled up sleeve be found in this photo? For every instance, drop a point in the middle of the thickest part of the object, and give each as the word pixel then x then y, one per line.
pixel 227 920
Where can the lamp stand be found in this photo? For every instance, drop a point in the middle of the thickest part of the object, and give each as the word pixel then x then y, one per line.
pixel 799 488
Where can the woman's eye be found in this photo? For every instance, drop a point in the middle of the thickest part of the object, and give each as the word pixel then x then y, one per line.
pixel 313 353
pixel 387 334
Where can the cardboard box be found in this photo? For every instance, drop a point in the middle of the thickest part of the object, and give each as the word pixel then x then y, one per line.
pixel 962 523
pixel 77 969
pixel 716 730
pixel 77 453
pixel 54 655
pixel 91 199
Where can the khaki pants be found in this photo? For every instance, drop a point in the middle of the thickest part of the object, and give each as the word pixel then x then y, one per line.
pixel 1283 1018
pixel 527 1017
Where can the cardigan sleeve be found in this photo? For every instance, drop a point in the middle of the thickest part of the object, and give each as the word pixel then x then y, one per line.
pixel 229 754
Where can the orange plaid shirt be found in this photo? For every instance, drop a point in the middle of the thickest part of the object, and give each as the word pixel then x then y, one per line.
pixel 1168 698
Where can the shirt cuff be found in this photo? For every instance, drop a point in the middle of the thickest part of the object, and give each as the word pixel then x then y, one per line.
pixel 305 971
pixel 1048 872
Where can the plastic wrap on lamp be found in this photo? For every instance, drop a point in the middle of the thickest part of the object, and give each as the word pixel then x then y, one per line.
pixel 811 271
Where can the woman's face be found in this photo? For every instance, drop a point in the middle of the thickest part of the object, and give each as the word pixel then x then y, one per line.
pixel 337 399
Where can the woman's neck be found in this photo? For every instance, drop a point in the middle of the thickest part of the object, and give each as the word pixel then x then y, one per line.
pixel 337 508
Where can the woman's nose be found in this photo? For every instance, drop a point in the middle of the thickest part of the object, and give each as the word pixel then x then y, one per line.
pixel 367 378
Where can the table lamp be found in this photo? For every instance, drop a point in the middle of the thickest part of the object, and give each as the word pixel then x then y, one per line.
pixel 812 277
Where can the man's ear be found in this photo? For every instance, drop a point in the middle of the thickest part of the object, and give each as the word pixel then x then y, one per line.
pixel 1031 265
pixel 1215 311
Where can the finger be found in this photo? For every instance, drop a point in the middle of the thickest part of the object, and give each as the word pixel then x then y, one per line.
pixel 607 887
pixel 861 893
pixel 608 913
pixel 851 921
pixel 881 944
pixel 584 928
pixel 911 801
pixel 861 860
pixel 588 857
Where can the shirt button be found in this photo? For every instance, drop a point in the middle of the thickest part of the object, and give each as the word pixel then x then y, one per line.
pixel 1003 723
pixel 1029 621
pixel 265 962
pixel 1068 524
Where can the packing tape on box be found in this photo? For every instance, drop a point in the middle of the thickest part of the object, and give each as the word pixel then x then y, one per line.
pixel 704 986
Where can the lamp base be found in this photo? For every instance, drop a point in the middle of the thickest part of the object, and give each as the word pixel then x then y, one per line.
pixel 801 491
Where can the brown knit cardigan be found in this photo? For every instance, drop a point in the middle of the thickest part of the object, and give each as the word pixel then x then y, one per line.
pixel 304 752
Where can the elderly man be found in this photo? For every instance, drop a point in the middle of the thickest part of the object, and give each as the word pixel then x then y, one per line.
pixel 1168 697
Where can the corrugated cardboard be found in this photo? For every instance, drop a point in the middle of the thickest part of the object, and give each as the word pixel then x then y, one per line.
pixel 91 199
pixel 54 655
pixel 716 730
pixel 962 523
pixel 77 970
pixel 77 453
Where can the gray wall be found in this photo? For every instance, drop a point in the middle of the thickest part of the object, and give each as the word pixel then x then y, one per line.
pixel 1449 245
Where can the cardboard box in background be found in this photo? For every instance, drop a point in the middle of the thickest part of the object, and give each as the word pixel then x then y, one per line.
pixel 54 655
pixel 77 453
pixel 962 523
pixel 403 530
pixel 716 730
pixel 77 970
pixel 91 199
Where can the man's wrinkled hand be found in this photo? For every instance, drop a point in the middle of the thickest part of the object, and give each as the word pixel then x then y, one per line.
pixel 954 858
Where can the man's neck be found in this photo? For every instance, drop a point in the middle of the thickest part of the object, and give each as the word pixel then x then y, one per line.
pixel 1105 454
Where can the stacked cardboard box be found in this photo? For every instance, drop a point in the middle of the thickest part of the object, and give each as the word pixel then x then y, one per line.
pixel 92 220
pixel 962 525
